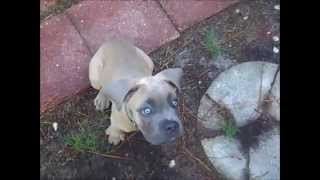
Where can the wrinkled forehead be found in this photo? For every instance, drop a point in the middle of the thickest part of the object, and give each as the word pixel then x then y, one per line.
pixel 152 90
pixel 156 85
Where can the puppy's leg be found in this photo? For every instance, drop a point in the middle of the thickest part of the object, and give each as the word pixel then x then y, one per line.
pixel 101 101
pixel 115 135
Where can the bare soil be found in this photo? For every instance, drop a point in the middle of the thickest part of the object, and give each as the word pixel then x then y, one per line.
pixel 241 40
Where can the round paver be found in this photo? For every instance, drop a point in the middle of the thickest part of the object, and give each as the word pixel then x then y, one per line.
pixel 241 90
pixel 265 159
pixel 225 154
pixel 274 106
pixel 239 94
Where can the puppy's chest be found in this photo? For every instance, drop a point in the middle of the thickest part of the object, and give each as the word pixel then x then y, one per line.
pixel 121 120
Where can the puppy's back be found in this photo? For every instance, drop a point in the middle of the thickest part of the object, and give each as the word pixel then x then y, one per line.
pixel 118 59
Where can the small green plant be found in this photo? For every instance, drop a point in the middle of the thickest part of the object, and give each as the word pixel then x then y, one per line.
pixel 82 141
pixel 211 43
pixel 229 129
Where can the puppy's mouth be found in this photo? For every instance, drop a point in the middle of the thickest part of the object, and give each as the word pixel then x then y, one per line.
pixel 163 141
pixel 163 138
pixel 172 139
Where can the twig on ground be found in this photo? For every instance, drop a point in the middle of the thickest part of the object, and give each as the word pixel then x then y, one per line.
pixel 203 73
pixel 108 155
pixel 231 38
pixel 85 115
pixel 189 82
pixel 42 133
pixel 181 141
pixel 187 152
pixel 44 122
pixel 197 78
pixel 167 60
pixel 181 145
pixel 188 112
pixel 124 142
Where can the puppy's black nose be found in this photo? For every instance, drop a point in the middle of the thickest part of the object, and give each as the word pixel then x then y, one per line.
pixel 170 127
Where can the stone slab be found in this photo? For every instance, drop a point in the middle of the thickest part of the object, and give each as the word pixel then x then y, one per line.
pixel 64 61
pixel 186 13
pixel 142 22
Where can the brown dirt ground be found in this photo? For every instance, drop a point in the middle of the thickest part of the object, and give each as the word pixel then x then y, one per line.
pixel 240 40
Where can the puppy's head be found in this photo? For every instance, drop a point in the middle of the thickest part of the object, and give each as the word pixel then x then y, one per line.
pixel 152 102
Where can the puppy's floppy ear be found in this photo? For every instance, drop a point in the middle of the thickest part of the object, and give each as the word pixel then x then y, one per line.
pixel 173 75
pixel 117 90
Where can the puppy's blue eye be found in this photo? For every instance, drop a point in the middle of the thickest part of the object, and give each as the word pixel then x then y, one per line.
pixel 146 111
pixel 174 102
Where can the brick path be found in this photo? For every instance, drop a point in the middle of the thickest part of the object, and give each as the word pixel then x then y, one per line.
pixel 68 40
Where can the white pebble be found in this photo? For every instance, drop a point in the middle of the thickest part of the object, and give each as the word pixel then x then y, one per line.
pixel 237 11
pixel 57 65
pixel 277 7
pixel 55 126
pixel 268 32
pixel 276 50
pixel 81 21
pixel 275 38
pixel 199 82
pixel 172 163
pixel 245 17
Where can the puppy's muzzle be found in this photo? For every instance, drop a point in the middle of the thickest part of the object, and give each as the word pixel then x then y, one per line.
pixel 169 127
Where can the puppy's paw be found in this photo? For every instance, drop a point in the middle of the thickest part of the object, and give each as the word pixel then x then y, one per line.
pixel 115 136
pixel 115 140
pixel 101 103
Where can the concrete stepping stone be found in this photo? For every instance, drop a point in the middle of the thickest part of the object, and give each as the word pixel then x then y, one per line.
pixel 265 159
pixel 226 156
pixel 261 162
pixel 223 63
pixel 240 90
pixel 238 94
pixel 209 114
pixel 274 105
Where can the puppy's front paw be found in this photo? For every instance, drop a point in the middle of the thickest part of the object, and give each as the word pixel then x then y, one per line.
pixel 101 103
pixel 115 136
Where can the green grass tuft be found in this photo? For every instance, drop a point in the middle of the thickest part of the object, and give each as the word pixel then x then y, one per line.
pixel 82 141
pixel 211 43
pixel 57 8
pixel 229 129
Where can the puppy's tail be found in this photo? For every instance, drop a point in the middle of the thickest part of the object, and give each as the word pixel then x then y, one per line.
pixel 94 80
pixel 95 85
pixel 95 69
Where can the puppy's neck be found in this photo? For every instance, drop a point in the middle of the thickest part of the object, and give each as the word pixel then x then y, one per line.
pixel 129 116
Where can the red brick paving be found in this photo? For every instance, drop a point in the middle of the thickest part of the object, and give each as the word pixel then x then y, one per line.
pixel 64 61
pixel 186 13
pixel 144 22
pixel 45 4
pixel 65 55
